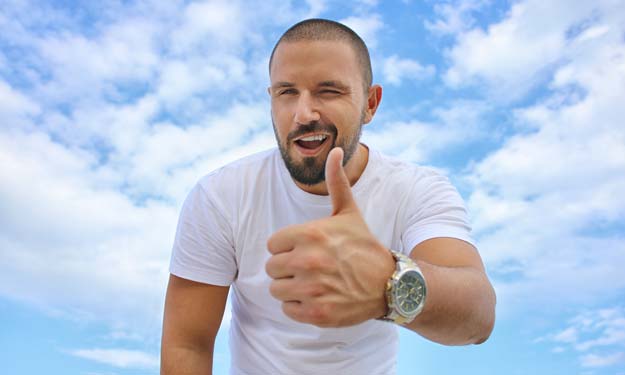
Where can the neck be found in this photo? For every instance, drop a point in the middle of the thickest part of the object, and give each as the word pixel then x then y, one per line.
pixel 353 169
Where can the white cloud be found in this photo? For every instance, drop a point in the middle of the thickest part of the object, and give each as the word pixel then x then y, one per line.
pixel 418 141
pixel 603 360
pixel 397 70
pixel 12 102
pixel 569 335
pixel 367 27
pixel 90 218
pixel 609 322
pixel 118 335
pixel 599 330
pixel 370 3
pixel 404 139
pixel 180 80
pixel 210 26
pixel 69 243
pixel 165 150
pixel 16 109
pixel 119 357
pixel 99 168
pixel 611 337
pixel 514 55
pixel 85 68
pixel 454 17
pixel 316 8
pixel 542 200
pixel 215 27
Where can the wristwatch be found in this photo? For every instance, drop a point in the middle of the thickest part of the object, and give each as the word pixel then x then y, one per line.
pixel 405 291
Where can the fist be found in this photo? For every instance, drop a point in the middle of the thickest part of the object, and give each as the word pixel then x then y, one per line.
pixel 330 272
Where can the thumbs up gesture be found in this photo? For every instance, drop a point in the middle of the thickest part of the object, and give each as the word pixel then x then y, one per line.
pixel 330 272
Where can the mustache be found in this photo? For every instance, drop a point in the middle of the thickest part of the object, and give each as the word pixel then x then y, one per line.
pixel 312 127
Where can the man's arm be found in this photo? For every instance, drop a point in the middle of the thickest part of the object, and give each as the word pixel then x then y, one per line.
pixel 333 272
pixel 460 303
pixel 193 314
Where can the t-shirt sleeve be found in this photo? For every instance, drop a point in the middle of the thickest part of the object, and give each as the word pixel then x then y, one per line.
pixel 434 209
pixel 203 249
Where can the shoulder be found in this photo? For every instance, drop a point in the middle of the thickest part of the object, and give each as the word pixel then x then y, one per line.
pixel 238 171
pixel 416 188
pixel 226 186
pixel 403 172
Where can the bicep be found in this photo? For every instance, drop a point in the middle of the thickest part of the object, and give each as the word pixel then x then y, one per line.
pixel 448 252
pixel 437 228
pixel 193 312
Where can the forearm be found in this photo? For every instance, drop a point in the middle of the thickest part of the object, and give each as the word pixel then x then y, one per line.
pixel 459 308
pixel 186 360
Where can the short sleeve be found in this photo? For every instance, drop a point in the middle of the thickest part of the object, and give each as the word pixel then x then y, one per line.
pixel 203 249
pixel 434 209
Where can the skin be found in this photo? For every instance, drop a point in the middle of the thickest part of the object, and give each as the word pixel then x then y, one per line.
pixel 320 81
pixel 193 314
pixel 321 270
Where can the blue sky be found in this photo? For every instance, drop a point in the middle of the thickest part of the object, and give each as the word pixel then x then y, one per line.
pixel 110 111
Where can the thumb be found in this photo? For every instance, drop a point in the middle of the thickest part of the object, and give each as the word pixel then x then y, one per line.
pixel 339 188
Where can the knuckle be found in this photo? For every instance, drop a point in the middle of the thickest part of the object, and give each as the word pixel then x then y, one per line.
pixel 271 244
pixel 311 263
pixel 319 314
pixel 269 267
pixel 308 263
pixel 290 310
pixel 315 290
pixel 327 263
pixel 273 290
pixel 286 310
pixel 313 233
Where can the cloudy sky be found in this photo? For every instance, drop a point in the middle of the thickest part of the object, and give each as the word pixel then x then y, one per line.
pixel 110 111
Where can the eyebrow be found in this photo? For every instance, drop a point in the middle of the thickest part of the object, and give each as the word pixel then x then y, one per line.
pixel 335 84
pixel 278 85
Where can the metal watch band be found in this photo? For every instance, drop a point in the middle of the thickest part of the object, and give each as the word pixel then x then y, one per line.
pixel 402 262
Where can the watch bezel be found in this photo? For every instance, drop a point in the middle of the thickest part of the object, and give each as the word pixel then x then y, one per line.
pixel 420 282
pixel 396 314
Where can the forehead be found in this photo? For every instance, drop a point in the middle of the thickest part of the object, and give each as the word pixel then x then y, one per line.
pixel 303 61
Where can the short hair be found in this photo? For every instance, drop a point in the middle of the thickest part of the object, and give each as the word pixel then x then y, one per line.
pixel 318 29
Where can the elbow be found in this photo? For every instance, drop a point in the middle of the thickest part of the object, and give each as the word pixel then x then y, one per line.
pixel 484 333
pixel 478 335
pixel 487 323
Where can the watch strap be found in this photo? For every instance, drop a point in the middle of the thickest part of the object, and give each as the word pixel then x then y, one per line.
pixel 402 263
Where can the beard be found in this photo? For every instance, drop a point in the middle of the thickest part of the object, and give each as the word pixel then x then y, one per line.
pixel 311 170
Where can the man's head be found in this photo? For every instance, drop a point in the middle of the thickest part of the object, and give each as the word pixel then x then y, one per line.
pixel 321 95
pixel 316 29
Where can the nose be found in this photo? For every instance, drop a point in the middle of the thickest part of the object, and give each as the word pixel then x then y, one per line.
pixel 306 110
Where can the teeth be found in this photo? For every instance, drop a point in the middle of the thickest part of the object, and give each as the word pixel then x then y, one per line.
pixel 317 137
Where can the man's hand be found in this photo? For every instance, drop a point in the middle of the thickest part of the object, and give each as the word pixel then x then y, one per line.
pixel 330 272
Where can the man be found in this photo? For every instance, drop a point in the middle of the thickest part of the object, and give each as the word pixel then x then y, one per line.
pixel 329 246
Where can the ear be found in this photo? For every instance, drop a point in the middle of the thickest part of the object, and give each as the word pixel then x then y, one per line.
pixel 374 97
pixel 269 90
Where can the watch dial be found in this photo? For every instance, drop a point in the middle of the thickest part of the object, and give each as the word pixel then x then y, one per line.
pixel 409 292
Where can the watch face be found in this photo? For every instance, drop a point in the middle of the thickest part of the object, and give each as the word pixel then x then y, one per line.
pixel 409 293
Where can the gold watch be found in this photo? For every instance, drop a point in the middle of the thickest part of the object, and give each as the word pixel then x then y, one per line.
pixel 405 291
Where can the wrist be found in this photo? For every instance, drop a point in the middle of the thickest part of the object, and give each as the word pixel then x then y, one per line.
pixel 405 291
pixel 388 266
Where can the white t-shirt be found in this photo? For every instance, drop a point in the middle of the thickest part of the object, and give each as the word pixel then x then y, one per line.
pixel 222 240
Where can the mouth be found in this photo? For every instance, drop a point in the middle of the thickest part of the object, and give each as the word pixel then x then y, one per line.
pixel 311 144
